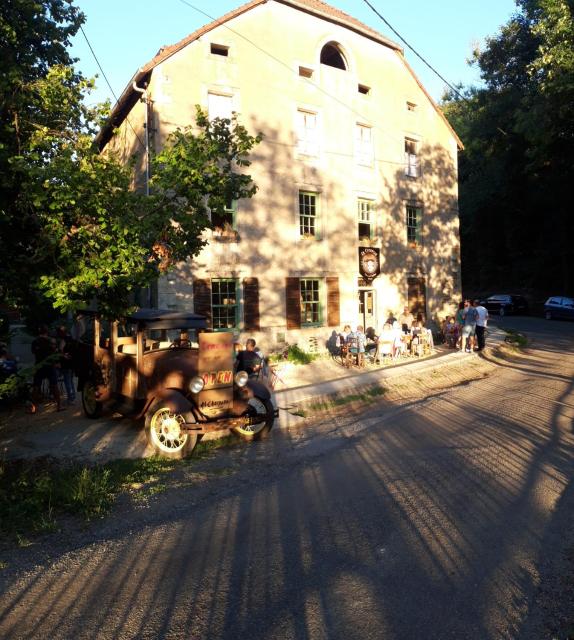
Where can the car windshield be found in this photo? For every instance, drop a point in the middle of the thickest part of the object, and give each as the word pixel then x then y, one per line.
pixel 170 338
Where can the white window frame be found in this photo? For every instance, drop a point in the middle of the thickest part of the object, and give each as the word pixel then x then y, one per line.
pixel 364 144
pixel 366 215
pixel 302 213
pixel 412 160
pixel 307 129
pixel 220 104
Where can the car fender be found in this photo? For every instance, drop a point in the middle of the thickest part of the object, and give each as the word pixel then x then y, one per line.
pixel 258 389
pixel 173 400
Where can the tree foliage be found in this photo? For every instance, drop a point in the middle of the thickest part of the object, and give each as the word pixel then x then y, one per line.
pixel 514 173
pixel 71 228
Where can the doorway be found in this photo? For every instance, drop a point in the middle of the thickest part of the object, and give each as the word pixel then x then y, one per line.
pixel 367 308
pixel 417 296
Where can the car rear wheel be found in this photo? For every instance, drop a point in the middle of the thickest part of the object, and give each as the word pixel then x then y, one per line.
pixel 548 315
pixel 260 416
pixel 165 432
pixel 92 406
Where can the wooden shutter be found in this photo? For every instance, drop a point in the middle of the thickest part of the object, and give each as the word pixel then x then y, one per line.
pixel 251 321
pixel 293 303
pixel 202 298
pixel 417 299
pixel 333 304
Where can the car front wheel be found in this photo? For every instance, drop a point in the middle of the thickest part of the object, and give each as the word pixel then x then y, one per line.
pixel 259 419
pixel 92 406
pixel 165 432
pixel 548 315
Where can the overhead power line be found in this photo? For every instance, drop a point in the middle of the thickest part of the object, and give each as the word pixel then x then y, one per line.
pixel 108 83
pixel 448 84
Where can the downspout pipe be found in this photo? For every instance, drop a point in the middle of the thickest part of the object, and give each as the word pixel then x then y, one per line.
pixel 144 99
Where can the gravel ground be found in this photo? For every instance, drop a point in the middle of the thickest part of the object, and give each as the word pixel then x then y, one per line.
pixel 551 614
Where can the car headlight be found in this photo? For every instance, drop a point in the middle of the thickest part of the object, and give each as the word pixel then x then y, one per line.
pixel 241 378
pixel 196 384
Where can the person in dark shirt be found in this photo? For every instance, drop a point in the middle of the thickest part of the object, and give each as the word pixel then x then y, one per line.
pixel 248 360
pixel 43 347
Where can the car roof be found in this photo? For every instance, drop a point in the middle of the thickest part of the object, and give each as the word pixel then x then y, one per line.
pixel 163 319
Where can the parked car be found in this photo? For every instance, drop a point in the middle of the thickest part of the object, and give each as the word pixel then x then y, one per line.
pixel 506 303
pixel 559 307
pixel 168 368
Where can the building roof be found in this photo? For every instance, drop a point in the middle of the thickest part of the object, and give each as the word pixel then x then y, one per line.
pixel 314 7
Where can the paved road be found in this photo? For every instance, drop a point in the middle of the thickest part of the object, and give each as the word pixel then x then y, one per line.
pixel 433 518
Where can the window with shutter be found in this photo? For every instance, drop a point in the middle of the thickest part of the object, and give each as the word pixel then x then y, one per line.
pixel 293 303
pixel 251 320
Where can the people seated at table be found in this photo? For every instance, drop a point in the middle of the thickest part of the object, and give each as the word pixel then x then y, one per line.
pixel 406 320
pixel 449 332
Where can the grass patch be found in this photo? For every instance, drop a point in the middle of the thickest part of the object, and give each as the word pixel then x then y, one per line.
pixel 515 338
pixel 294 354
pixel 34 494
pixel 367 396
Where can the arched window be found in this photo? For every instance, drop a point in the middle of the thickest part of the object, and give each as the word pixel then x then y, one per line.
pixel 331 55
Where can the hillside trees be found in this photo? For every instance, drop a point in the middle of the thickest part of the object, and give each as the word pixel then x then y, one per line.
pixel 515 172
pixel 71 229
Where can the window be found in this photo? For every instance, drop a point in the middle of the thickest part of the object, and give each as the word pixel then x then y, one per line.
pixel 307 133
pixel 411 158
pixel 364 144
pixel 219 105
pixel 411 106
pixel 224 303
pixel 365 219
pixel 308 214
pixel 364 89
pixel 310 301
pixel 414 220
pixel 331 56
pixel 225 221
pixel 305 72
pixel 219 49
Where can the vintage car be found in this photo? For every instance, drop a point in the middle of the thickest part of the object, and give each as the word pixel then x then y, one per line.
pixel 169 369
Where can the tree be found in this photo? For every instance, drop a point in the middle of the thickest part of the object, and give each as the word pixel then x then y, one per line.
pixel 514 173
pixel 34 37
pixel 70 226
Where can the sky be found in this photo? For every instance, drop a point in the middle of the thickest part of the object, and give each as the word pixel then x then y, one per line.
pixel 125 34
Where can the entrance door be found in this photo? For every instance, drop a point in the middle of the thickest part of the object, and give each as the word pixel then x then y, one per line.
pixel 367 308
pixel 417 296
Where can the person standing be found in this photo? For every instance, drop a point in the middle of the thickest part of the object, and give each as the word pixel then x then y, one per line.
pixel 43 348
pixel 459 322
pixel 481 322
pixel 66 347
pixel 470 314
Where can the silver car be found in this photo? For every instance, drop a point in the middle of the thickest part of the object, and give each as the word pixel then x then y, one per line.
pixel 559 307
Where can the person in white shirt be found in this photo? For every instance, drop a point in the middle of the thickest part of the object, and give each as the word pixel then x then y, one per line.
pixel 481 322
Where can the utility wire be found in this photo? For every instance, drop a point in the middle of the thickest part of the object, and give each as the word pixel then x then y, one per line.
pixel 388 132
pixel 448 84
pixel 108 83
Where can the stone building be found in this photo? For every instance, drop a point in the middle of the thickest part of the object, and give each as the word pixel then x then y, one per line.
pixel 356 214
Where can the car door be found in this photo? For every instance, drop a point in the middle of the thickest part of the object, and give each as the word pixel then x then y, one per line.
pixel 568 308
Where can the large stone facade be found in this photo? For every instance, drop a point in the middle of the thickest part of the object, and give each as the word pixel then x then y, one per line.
pixel 355 154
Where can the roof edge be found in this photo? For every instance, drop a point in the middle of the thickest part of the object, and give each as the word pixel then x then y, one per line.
pixel 459 143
